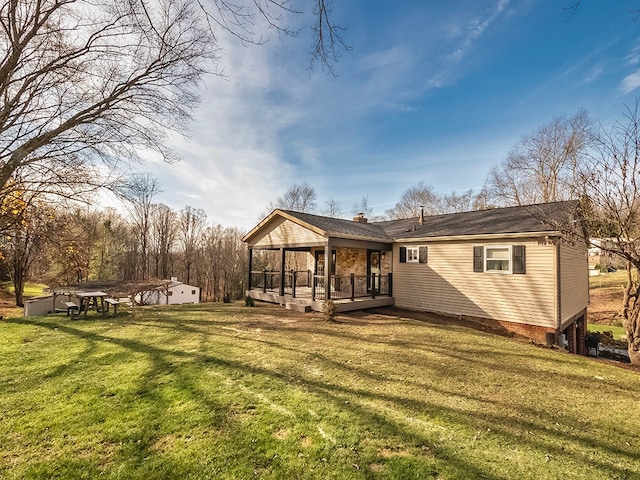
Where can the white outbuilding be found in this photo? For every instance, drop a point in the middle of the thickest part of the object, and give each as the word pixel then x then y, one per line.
pixel 172 292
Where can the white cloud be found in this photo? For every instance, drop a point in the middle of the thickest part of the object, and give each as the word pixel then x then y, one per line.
pixel 474 30
pixel 595 73
pixel 232 163
pixel 630 82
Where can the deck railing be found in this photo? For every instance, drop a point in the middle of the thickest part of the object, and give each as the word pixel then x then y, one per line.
pixel 269 280
pixel 353 286
pixel 343 287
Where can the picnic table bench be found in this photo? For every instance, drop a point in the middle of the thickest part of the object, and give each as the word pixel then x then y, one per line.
pixel 112 302
pixel 71 308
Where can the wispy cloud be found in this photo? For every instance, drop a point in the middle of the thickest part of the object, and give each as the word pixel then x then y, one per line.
pixel 631 82
pixel 475 29
pixel 633 57
pixel 464 36
pixel 595 73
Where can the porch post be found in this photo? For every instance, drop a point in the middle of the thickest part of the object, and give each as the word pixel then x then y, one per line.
pixel 250 268
pixel 282 254
pixel 353 287
pixel 294 274
pixel 373 285
pixel 327 271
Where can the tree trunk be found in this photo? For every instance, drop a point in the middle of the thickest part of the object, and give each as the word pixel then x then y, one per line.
pixel 631 316
pixel 632 323
pixel 18 286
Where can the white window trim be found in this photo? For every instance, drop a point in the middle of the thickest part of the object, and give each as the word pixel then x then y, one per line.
pixel 416 259
pixel 510 258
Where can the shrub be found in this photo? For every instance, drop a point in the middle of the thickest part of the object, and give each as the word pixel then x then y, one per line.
pixel 248 301
pixel 226 298
pixel 329 311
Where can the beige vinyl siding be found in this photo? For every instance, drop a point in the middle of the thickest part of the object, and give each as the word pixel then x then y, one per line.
pixel 574 280
pixel 283 232
pixel 447 283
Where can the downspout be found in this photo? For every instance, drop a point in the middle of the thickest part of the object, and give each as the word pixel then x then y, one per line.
pixel 558 291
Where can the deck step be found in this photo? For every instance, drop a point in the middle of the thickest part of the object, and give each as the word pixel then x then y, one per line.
pixel 298 307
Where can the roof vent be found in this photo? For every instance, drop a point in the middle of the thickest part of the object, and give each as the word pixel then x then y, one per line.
pixel 360 218
pixel 421 214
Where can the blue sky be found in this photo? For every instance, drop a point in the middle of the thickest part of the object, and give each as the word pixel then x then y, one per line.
pixel 432 91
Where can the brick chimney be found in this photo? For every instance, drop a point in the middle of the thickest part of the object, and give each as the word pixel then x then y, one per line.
pixel 360 218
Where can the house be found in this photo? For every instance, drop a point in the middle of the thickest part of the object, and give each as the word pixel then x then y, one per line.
pixel 513 268
pixel 172 292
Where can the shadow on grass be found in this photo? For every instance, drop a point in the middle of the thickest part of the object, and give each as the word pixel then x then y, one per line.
pixel 541 435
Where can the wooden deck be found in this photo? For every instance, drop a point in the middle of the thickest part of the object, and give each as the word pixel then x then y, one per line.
pixel 304 303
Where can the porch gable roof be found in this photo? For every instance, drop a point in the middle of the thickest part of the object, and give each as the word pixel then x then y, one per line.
pixel 327 227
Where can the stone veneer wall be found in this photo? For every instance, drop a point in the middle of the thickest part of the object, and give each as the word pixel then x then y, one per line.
pixel 351 260
pixel 354 260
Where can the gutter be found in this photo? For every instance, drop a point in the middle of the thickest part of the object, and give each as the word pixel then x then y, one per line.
pixel 492 236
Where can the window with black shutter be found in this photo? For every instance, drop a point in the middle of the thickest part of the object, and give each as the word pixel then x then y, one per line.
pixel 403 254
pixel 478 259
pixel 519 262
pixel 422 255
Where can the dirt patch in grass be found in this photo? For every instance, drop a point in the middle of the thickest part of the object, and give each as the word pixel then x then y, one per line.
pixel 281 434
pixel 605 304
pixel 305 441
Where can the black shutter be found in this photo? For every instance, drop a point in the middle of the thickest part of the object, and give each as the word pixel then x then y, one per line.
pixel 518 253
pixel 422 254
pixel 478 259
pixel 403 254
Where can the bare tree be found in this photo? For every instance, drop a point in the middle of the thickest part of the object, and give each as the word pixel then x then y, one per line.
pixel 85 85
pixel 542 167
pixel 300 197
pixel 457 202
pixel 192 223
pixel 163 238
pixel 83 82
pixel 413 199
pixel 327 35
pixel 139 191
pixel 332 208
pixel 363 207
pixel 611 177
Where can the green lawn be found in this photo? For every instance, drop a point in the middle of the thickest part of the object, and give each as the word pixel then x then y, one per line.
pixel 613 279
pixel 30 289
pixel 224 391
pixel 618 332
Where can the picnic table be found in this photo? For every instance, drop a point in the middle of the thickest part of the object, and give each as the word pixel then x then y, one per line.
pixel 87 299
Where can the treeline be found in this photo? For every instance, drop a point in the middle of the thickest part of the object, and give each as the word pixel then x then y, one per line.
pixel 64 246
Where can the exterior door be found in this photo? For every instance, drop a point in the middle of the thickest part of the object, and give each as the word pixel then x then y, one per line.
pixel 320 262
pixel 373 267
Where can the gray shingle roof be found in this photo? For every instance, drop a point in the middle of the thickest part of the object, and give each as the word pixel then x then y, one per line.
pixel 341 228
pixel 522 219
